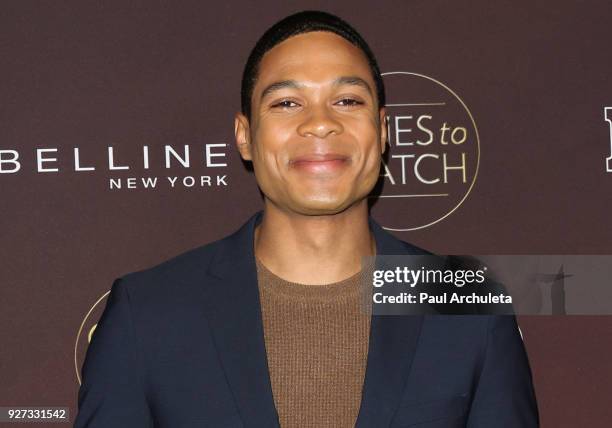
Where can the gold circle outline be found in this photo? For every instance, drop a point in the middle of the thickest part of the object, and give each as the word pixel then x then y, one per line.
pixel 477 149
pixel 76 342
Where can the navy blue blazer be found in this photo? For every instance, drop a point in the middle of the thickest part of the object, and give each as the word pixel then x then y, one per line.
pixel 181 345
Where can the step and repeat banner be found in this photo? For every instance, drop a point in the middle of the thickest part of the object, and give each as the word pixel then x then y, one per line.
pixel 117 152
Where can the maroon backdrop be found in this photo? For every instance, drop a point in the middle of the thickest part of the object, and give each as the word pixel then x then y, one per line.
pixel 529 84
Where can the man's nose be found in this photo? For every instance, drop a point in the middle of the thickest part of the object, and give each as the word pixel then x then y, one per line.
pixel 320 122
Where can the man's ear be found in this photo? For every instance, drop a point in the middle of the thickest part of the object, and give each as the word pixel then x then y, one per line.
pixel 243 136
pixel 383 130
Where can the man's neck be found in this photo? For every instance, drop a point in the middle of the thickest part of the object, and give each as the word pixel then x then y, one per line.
pixel 314 249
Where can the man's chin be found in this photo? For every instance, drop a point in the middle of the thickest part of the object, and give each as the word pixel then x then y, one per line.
pixel 315 207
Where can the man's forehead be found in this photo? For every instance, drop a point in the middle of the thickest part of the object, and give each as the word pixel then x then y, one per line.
pixel 317 57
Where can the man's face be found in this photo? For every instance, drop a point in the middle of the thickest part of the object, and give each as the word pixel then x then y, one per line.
pixel 316 132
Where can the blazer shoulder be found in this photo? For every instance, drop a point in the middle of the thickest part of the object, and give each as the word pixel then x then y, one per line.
pixel 182 270
pixel 413 249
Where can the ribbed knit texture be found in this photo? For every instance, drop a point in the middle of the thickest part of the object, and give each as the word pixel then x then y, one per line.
pixel 316 339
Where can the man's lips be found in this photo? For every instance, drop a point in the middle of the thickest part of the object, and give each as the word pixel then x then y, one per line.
pixel 319 163
pixel 319 157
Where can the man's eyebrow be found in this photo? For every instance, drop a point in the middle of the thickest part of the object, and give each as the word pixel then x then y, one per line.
pixel 280 85
pixel 293 84
pixel 353 80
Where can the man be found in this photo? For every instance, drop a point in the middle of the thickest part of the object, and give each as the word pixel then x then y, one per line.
pixel 263 328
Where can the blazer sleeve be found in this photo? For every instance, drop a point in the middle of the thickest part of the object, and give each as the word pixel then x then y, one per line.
pixel 112 393
pixel 504 395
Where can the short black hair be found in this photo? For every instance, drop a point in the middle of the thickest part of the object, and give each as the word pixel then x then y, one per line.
pixel 299 23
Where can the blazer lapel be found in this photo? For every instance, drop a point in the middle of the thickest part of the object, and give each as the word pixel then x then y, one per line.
pixel 234 314
pixel 393 342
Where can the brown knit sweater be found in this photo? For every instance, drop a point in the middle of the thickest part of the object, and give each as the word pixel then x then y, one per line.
pixel 316 339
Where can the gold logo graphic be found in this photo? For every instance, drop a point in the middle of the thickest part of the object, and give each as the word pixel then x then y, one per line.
pixel 433 153
pixel 85 333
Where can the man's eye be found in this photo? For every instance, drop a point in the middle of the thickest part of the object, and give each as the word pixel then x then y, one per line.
pixel 349 102
pixel 285 104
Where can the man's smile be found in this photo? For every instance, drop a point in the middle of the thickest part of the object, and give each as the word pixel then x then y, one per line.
pixel 317 163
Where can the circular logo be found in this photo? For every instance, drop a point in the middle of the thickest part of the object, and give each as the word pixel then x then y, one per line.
pixel 433 153
pixel 85 333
